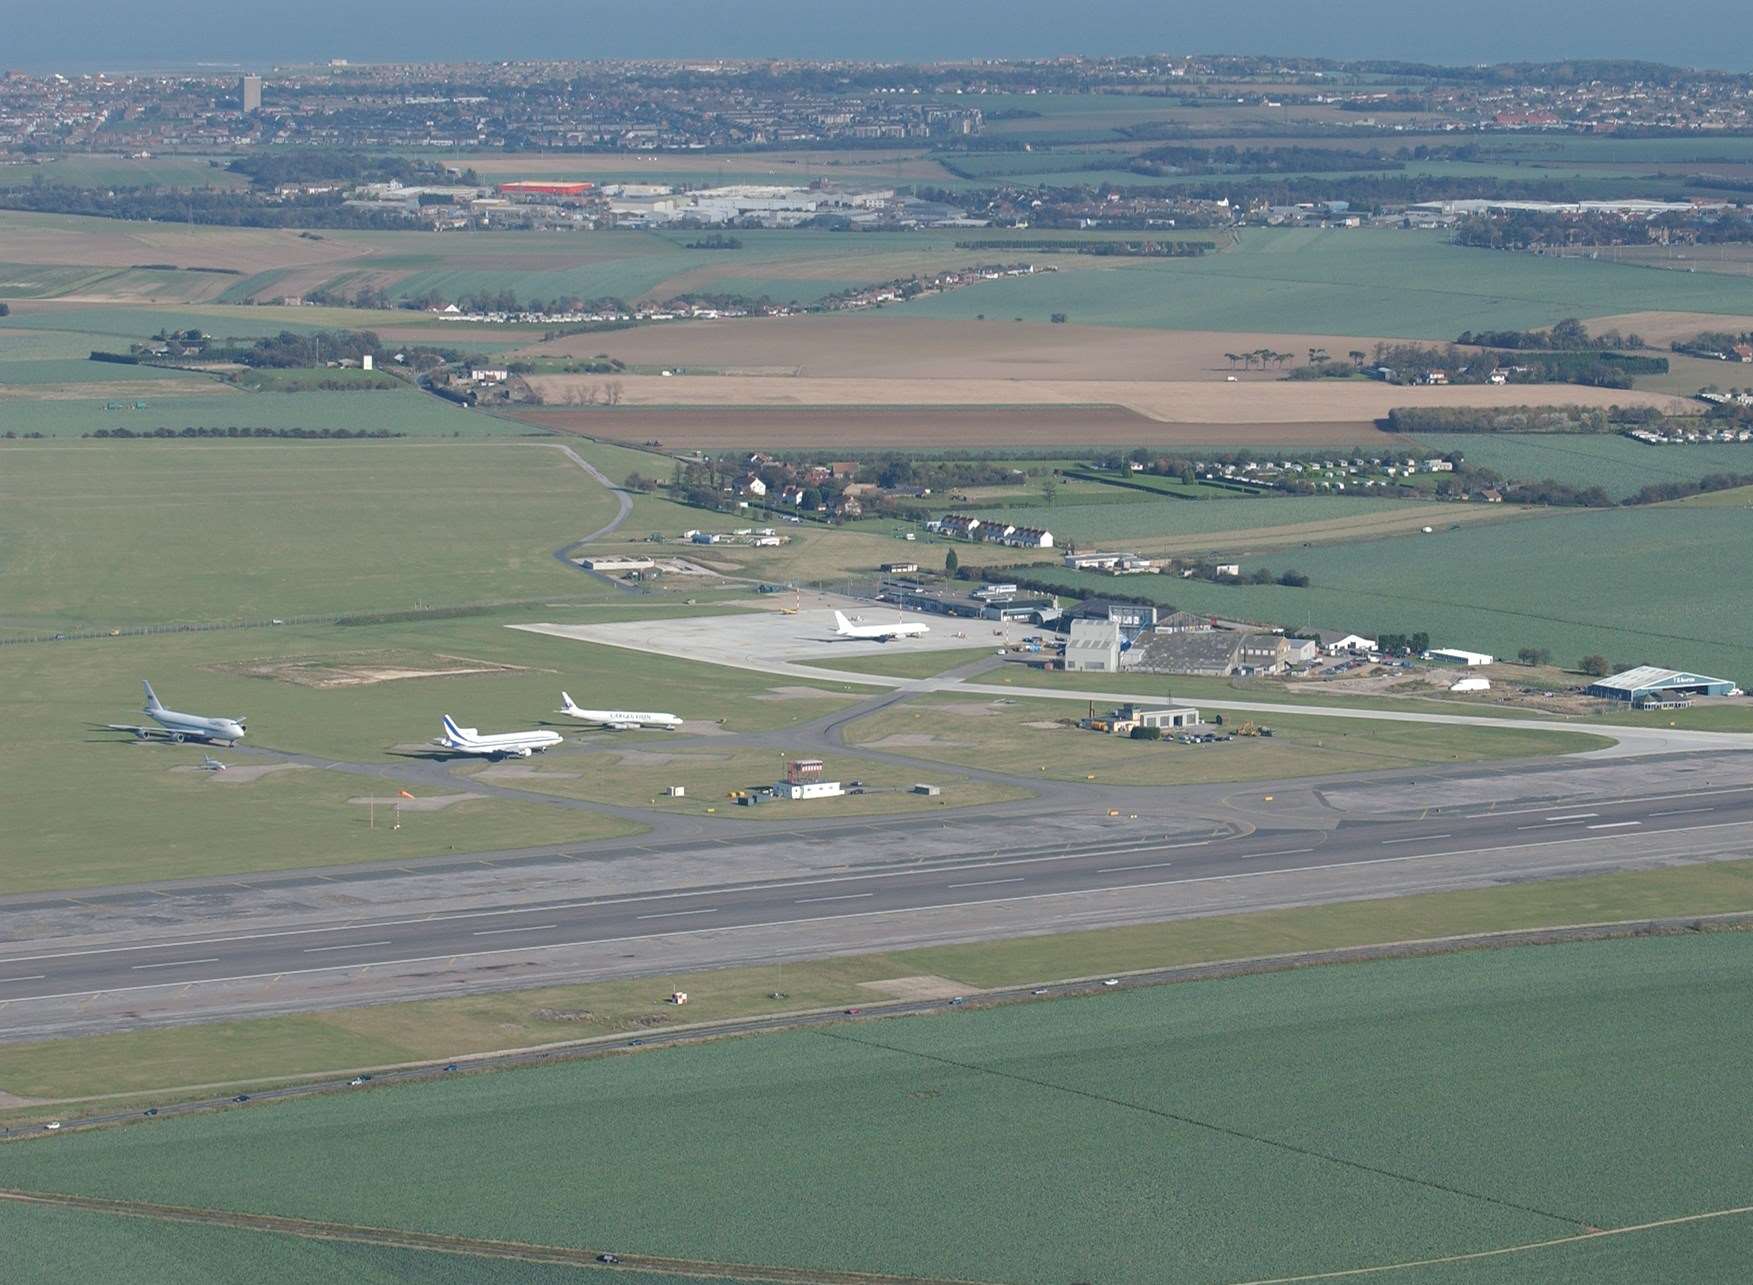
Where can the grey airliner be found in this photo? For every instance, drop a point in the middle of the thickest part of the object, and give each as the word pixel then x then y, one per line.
pixel 182 727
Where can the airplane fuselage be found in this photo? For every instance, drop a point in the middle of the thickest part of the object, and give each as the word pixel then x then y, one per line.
pixel 467 740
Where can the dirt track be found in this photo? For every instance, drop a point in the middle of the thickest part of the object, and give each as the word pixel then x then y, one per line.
pixel 1031 428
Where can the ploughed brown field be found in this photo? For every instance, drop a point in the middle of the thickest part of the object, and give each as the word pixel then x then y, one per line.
pixel 1172 401
pixel 949 428
pixel 861 345
pixel 1662 328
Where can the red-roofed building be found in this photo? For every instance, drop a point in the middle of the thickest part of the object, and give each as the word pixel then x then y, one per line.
pixel 537 187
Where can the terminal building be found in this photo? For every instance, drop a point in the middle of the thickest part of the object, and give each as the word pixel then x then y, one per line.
pixel 1011 604
pixel 1650 685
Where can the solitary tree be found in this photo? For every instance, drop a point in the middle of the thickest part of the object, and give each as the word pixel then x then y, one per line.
pixel 1595 666
pixel 951 562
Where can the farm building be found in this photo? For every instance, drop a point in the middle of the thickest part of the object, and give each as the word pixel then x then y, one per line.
pixel 1649 684
pixel 1094 646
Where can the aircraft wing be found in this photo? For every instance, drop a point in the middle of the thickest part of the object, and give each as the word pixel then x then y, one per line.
pixel 135 728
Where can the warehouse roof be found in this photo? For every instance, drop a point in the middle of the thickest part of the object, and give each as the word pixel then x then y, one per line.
pixel 1646 676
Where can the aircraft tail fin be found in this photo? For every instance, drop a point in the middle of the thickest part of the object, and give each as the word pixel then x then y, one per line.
pixel 451 727
pixel 841 623
pixel 151 697
pixel 566 705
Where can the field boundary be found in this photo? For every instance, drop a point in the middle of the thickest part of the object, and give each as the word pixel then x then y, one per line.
pixel 314 1229
pixel 1598 1233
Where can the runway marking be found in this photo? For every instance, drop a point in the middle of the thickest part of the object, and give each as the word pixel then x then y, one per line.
pixel 1288 852
pixel 1458 852
pixel 858 914
pixel 34 977
pixel 981 883
pixel 1414 838
pixel 1150 865
pixel 1546 825
pixel 674 914
pixel 523 928
pixel 1681 812
pixel 1643 798
pixel 352 945
pixel 1614 825
pixel 177 963
pixel 844 896
pixel 1574 816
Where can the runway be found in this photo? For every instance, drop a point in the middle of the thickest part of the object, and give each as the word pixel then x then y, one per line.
pixel 255 962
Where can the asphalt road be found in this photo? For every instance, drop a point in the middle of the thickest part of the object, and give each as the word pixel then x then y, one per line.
pixel 1494 835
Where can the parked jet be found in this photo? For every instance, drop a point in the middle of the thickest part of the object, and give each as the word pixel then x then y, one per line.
pixel 181 727
pixel 844 628
pixel 211 764
pixel 618 720
pixel 468 740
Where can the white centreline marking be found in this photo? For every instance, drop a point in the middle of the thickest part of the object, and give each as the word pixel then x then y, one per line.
pixel 1681 812
pixel 1614 825
pixel 981 883
pixel 178 963
pixel 845 896
pixel 870 914
pixel 352 945
pixel 1574 816
pixel 672 914
pixel 1546 825
pixel 34 977
pixel 1414 838
pixel 1288 852
pixel 1149 865
pixel 524 928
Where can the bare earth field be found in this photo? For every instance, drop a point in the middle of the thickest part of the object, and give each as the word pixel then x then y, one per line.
pixel 1029 427
pixel 59 238
pixel 874 347
pixel 1662 328
pixel 1170 401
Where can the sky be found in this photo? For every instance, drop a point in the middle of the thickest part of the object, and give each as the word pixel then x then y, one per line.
pixel 123 34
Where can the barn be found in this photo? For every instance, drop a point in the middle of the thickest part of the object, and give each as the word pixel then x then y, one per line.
pixel 1648 684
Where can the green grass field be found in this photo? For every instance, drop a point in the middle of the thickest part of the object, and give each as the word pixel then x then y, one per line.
pixel 1104 523
pixel 356 526
pixel 1655 584
pixel 1356 281
pixel 1020 737
pixel 1617 464
pixel 401 410
pixel 92 807
pixel 87 170
pixel 638 777
pixel 1322 1120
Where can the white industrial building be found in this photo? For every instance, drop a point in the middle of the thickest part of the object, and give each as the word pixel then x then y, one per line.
pixel 1455 656
pixel 1094 647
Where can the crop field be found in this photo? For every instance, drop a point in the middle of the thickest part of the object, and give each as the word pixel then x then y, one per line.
pixel 1617 464
pixel 1253 1127
pixel 885 346
pixel 80 408
pixel 1370 281
pixel 1023 737
pixel 1650 584
pixel 47 1245
pixel 881 167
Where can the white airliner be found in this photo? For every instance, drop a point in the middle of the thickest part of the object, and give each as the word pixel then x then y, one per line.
pixel 844 628
pixel 468 740
pixel 618 720
pixel 181 727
